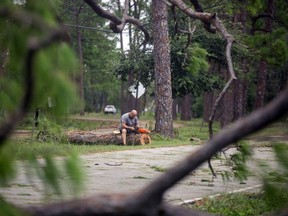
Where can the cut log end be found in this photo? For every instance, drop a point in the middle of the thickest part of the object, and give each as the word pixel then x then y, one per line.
pixel 145 139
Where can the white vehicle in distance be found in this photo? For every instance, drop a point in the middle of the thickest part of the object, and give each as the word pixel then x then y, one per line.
pixel 109 109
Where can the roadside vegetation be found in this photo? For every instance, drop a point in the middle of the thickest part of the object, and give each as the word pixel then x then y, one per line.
pixel 194 132
pixel 56 144
pixel 240 204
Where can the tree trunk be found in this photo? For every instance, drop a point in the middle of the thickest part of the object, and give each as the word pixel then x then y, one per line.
pixel 240 94
pixel 122 98
pixel 209 98
pixel 227 108
pixel 186 107
pixel 240 85
pixel 207 105
pixel 240 98
pixel 79 79
pixel 263 67
pixel 163 90
pixel 3 57
pixel 91 138
pixel 175 109
pixel 261 84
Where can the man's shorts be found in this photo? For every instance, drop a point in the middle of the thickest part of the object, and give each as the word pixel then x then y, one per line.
pixel 128 131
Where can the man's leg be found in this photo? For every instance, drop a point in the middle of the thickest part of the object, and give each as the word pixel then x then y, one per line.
pixel 124 135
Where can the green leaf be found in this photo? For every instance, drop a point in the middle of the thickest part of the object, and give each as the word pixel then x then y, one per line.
pixel 7 169
pixel 281 151
pixel 8 210
pixel 74 171
pixel 51 174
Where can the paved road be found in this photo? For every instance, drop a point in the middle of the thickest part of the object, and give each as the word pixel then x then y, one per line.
pixel 131 170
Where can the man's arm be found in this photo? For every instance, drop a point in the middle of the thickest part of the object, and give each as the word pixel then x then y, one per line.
pixel 137 123
pixel 124 125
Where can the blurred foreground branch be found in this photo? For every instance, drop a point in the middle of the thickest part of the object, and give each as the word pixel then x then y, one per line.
pixel 52 34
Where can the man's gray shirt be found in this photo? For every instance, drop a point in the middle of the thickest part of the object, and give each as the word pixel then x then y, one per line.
pixel 130 122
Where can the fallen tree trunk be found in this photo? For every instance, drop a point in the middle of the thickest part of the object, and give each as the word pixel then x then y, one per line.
pixel 90 137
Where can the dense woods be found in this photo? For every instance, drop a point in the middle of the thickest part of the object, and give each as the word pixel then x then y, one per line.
pixel 220 61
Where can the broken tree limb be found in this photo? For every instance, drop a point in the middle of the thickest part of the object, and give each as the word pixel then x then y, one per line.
pixel 117 24
pixel 212 23
pixel 112 205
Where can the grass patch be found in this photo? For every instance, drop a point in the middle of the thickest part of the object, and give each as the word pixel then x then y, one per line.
pixel 24 194
pixel 275 129
pixel 24 148
pixel 193 129
pixel 140 177
pixel 235 205
pixel 185 131
pixel 18 185
pixel 158 169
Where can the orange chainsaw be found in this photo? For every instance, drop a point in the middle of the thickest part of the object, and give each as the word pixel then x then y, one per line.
pixel 143 130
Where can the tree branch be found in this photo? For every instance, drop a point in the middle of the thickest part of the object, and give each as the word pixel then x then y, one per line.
pixel 176 27
pixel 215 22
pixel 102 13
pixel 212 20
pixel 254 21
pixel 112 205
pixel 202 16
pixel 218 24
pixel 216 104
pixel 116 24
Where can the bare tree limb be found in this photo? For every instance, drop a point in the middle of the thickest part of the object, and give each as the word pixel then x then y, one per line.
pixel 176 27
pixel 126 7
pixel 188 33
pixel 254 21
pixel 102 13
pixel 216 104
pixel 116 24
pixel 212 20
pixel 218 24
pixel 229 38
pixel 202 16
pixel 212 115
pixel 190 12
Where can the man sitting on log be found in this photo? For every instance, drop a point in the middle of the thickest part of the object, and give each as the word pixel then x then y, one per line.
pixel 128 124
